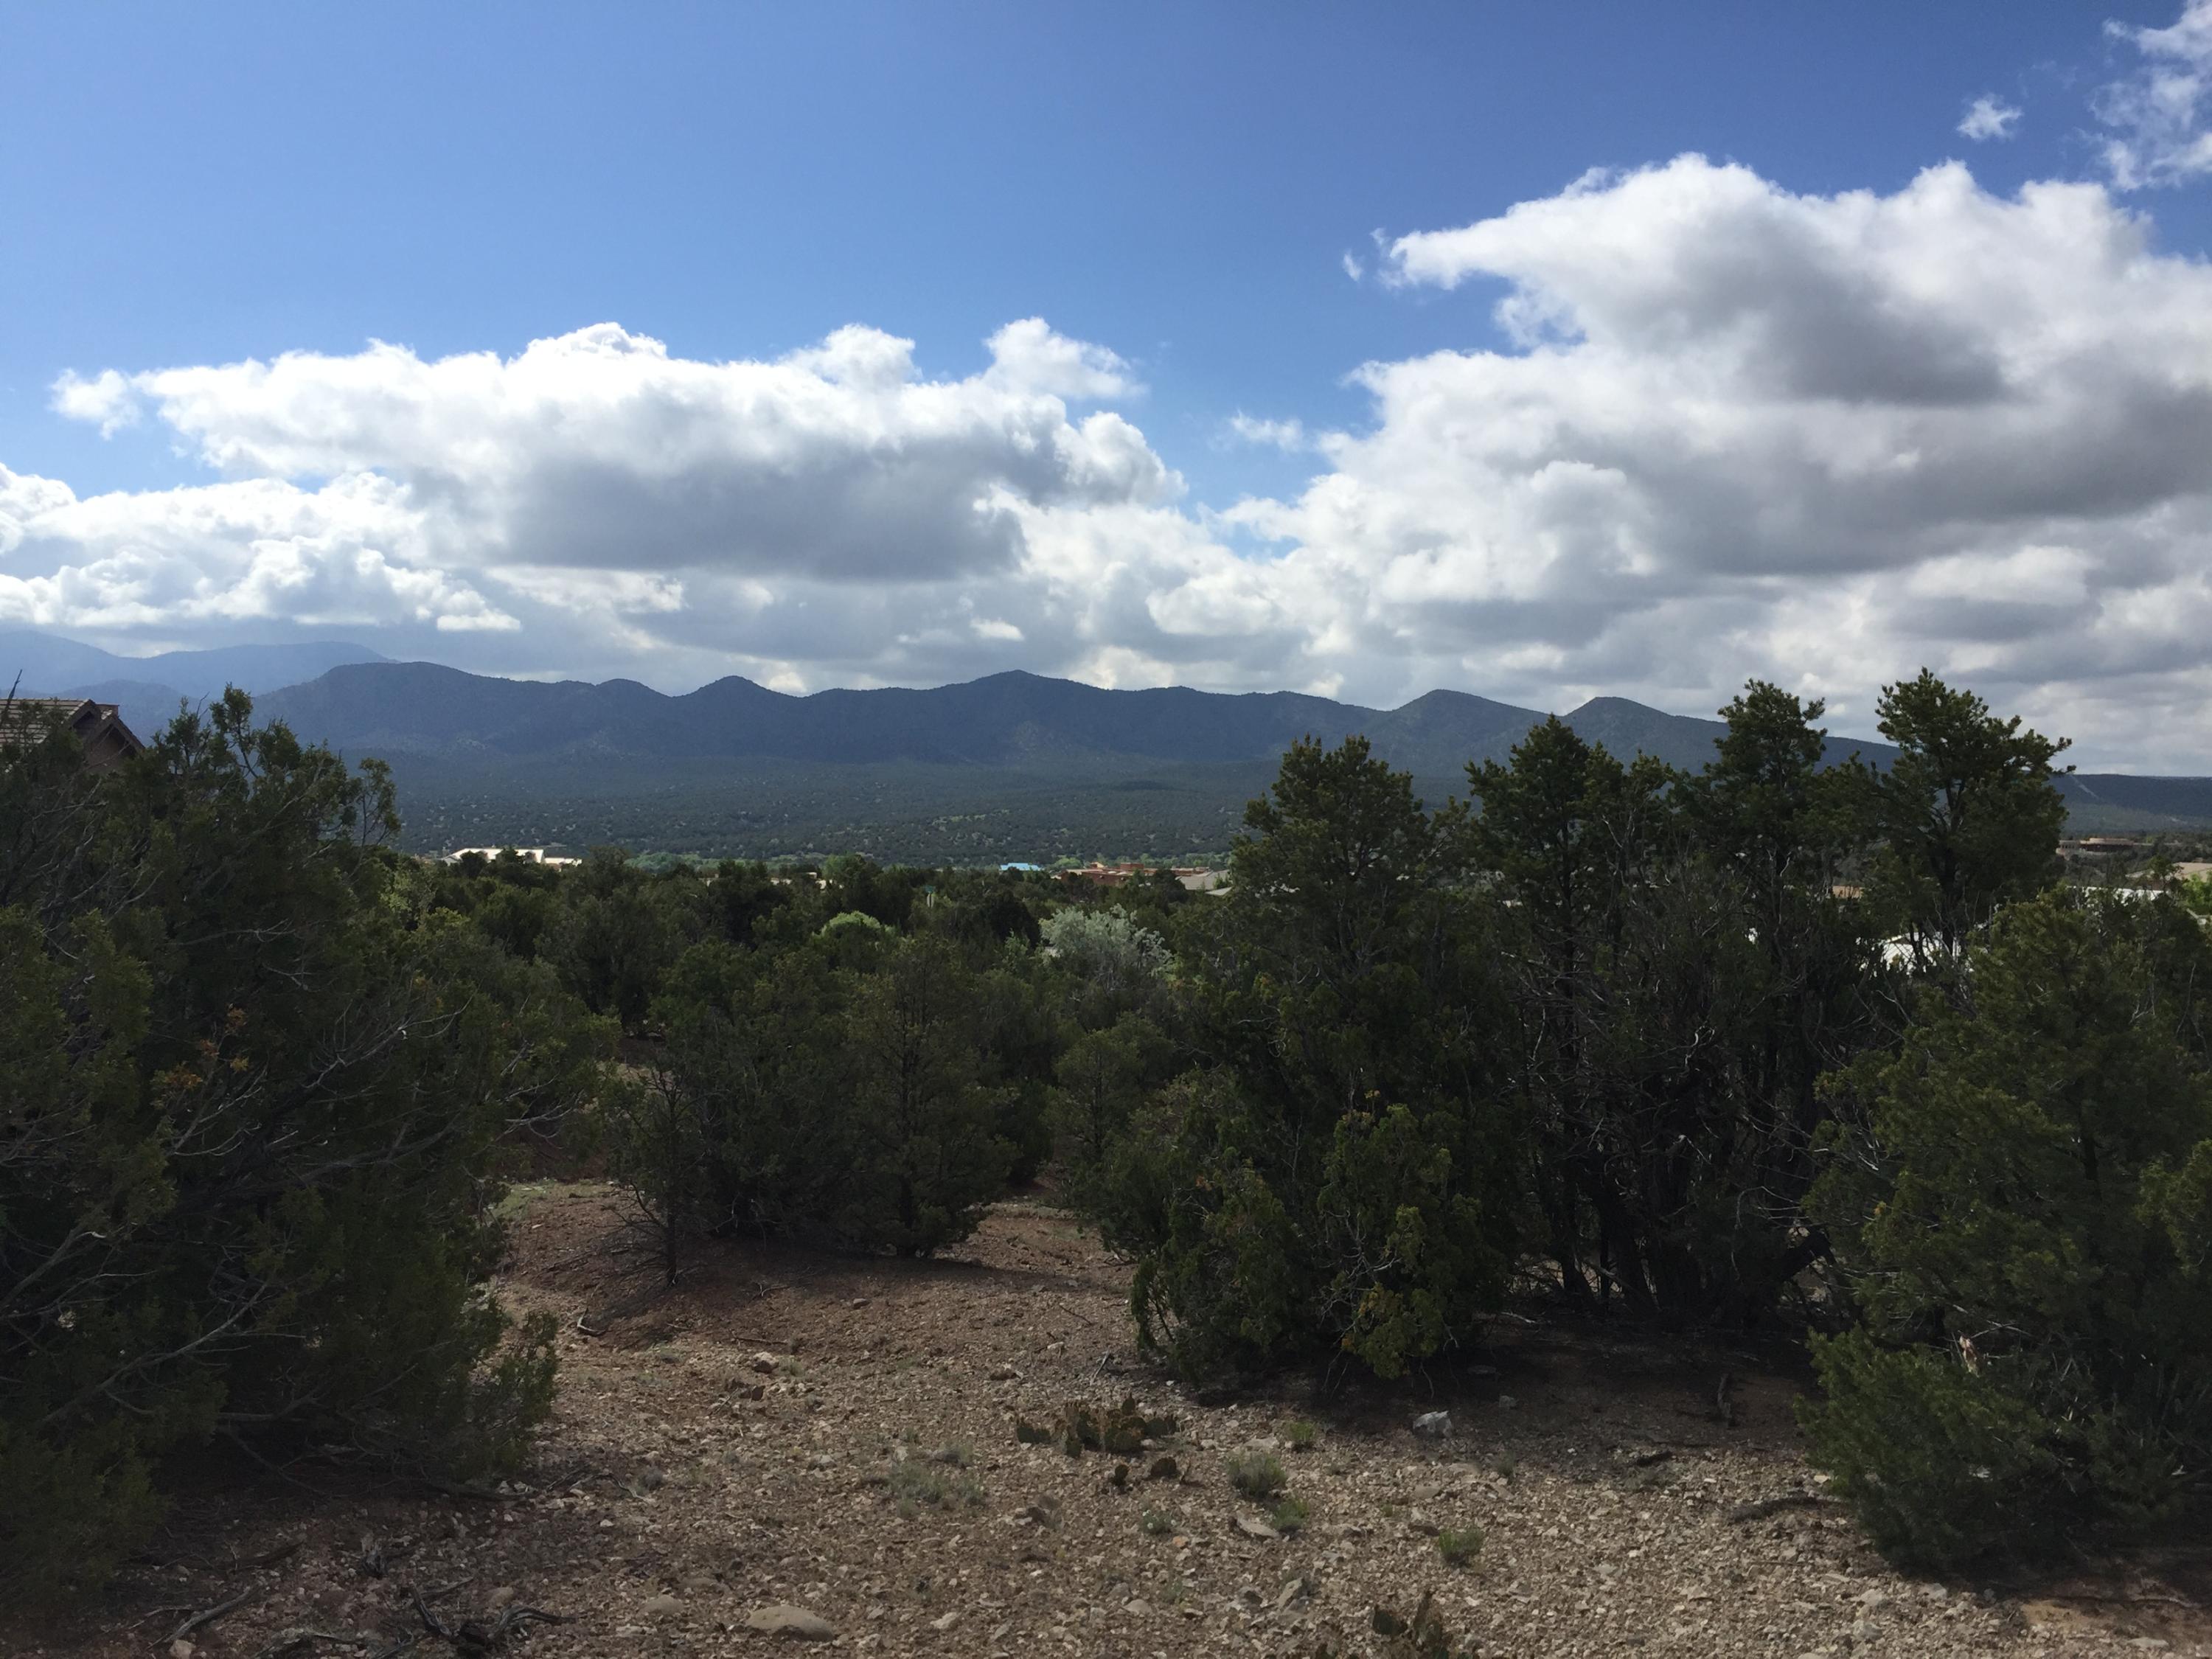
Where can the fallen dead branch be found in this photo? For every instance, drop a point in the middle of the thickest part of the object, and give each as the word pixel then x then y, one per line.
pixel 473 1635
pixel 294 1641
pixel 1767 1506
pixel 207 1616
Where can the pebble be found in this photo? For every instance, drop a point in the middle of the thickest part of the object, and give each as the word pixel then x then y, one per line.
pixel 945 1621
pixel 502 1596
pixel 1253 1527
pixel 663 1605
pixel 784 1620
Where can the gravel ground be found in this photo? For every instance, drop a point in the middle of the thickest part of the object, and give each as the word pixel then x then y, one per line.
pixel 830 1443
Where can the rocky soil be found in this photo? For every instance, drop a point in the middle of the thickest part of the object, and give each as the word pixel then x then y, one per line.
pixel 795 1452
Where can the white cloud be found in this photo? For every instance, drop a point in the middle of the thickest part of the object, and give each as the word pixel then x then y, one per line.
pixel 1275 435
pixel 106 400
pixel 1740 422
pixel 1733 431
pixel 350 555
pixel 1028 356
pixel 1352 268
pixel 2160 114
pixel 1989 117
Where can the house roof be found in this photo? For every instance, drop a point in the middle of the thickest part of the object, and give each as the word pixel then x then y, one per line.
pixel 25 720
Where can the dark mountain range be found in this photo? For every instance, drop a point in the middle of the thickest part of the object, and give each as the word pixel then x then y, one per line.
pixel 738 766
pixel 1014 766
pixel 1012 720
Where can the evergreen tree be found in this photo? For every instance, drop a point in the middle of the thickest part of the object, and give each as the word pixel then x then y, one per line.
pixel 1335 1176
pixel 930 1158
pixel 1966 819
pixel 2026 1221
pixel 248 1177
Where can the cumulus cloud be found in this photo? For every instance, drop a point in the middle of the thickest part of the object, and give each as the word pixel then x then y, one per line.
pixel 106 401
pixel 2160 114
pixel 1739 421
pixel 1715 429
pixel 349 555
pixel 829 508
pixel 1288 435
pixel 1989 117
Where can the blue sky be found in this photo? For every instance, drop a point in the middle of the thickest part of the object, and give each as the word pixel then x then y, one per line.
pixel 1177 185
pixel 1179 181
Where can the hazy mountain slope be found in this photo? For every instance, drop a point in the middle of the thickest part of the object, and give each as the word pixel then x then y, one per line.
pixel 1683 740
pixel 146 707
pixel 57 667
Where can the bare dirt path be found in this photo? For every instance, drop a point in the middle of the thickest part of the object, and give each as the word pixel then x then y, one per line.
pixel 834 1437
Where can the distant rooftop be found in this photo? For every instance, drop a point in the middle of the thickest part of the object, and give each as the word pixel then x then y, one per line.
pixel 107 741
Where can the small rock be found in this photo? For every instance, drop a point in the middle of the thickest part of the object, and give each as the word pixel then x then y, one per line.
pixel 765 1363
pixel 1421 1523
pixel 1004 1374
pixel 502 1596
pixel 701 1583
pixel 783 1620
pixel 181 1649
pixel 858 1301
pixel 1137 1607
pixel 661 1606
pixel 1294 1589
pixel 945 1622
pixel 1433 1425
pixel 1253 1527
pixel 1874 1601
pixel 821 1460
pixel 1250 1595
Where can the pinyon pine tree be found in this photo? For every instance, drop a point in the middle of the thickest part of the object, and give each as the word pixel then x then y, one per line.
pixel 2025 1218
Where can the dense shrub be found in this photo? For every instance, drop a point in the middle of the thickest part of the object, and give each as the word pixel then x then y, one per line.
pixel 860 1086
pixel 1334 1177
pixel 1680 974
pixel 2025 1216
pixel 254 1088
